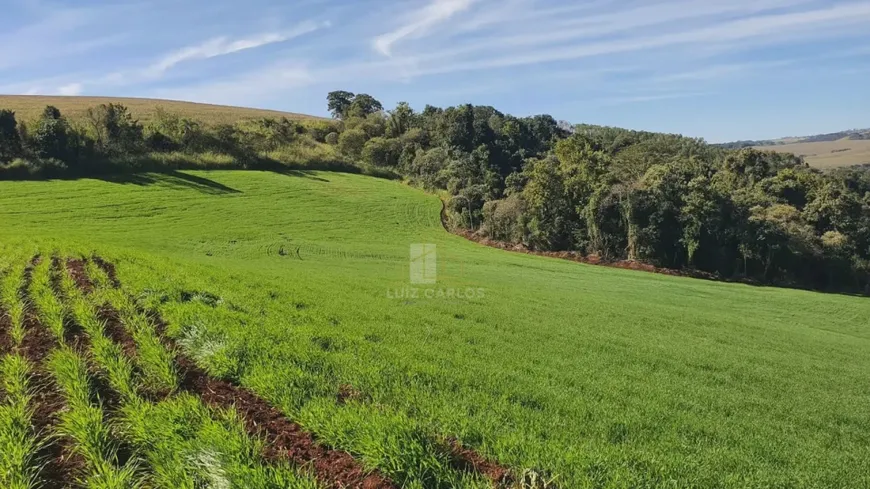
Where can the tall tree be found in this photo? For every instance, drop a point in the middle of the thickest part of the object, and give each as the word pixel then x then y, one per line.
pixel 363 105
pixel 10 143
pixel 339 102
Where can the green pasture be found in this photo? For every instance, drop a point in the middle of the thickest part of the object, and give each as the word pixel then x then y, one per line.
pixel 297 285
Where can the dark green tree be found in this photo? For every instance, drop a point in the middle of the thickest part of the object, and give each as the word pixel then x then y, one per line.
pixel 338 102
pixel 10 142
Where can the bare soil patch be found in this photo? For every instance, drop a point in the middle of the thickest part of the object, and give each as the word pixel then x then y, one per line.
pixel 468 460
pixel 79 274
pixel 109 269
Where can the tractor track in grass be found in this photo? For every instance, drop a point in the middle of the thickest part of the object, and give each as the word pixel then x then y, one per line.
pixel 284 439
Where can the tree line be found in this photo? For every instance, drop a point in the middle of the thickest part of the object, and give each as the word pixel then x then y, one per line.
pixel 663 199
pixel 109 139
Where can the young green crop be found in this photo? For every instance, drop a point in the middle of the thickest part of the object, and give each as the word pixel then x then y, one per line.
pixel 18 443
pixel 84 423
pixel 189 446
pixel 50 310
pixel 297 286
pixel 185 444
pixel 154 360
pixel 108 356
pixel 12 302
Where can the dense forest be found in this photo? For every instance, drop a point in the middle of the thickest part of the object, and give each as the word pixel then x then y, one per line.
pixel 661 199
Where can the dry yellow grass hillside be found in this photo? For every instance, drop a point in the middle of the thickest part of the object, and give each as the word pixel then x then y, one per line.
pixel 828 154
pixel 29 107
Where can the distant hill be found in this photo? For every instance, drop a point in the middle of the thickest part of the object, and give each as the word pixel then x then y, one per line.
pixel 851 135
pixel 29 107
pixel 836 149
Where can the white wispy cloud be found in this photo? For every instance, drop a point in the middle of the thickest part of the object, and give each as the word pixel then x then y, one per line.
pixel 760 29
pixel 222 46
pixel 720 71
pixel 647 98
pixel 436 12
pixel 246 89
pixel 617 51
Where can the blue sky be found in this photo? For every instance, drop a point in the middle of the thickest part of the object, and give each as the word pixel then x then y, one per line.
pixel 718 69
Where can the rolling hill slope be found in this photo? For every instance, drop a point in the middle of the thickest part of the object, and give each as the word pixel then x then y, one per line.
pixel 833 150
pixel 299 288
pixel 828 154
pixel 28 107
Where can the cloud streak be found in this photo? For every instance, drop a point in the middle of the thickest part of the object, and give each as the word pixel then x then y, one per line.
pixel 222 46
pixel 431 15
pixel 438 51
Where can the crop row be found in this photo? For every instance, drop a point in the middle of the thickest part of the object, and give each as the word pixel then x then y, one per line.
pixel 96 394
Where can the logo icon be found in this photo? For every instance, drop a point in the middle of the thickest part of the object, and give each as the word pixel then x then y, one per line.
pixel 423 264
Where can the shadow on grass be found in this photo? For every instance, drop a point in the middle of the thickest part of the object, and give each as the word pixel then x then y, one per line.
pixel 171 178
pixel 167 169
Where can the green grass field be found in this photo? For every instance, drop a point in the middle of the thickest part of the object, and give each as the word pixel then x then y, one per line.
pixel 297 287
pixel 30 107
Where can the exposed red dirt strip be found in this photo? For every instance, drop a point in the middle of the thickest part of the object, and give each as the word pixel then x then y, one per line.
pixel 116 331
pixel 80 275
pixel 285 439
pixel 59 463
pixel 468 460
pixel 109 269
pixel 5 338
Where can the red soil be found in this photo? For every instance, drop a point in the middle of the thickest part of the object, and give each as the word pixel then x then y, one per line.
pixel 5 339
pixel 80 275
pixel 109 269
pixel 468 460
pixel 587 259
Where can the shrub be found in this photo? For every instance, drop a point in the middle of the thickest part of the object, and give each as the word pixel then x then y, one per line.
pixel 10 142
pixel 114 129
pixel 268 134
pixel 374 125
pixel 332 138
pixel 51 138
pixel 158 141
pixel 428 167
pixel 503 219
pixel 320 129
pixel 351 142
pixel 19 169
pixel 382 152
